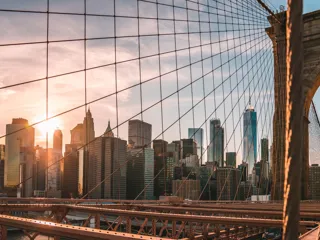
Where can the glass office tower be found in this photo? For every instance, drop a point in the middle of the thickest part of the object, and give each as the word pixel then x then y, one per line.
pixel 216 144
pixel 197 135
pixel 250 138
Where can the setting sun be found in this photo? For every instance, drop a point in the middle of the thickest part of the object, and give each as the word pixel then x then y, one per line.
pixel 47 126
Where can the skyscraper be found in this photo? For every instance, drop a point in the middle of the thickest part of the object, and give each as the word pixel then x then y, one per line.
pixel 56 165
pixel 139 133
pixel 160 165
pixel 227 183
pixel 88 128
pixel 106 155
pixel 216 145
pixel 243 167
pixel 19 155
pixel 27 155
pixel 174 152
pixel 250 138
pixel 73 165
pixel 140 173
pixel 186 189
pixel 160 147
pixel 88 137
pixel 197 135
pixel 265 149
pixel 70 184
pixel 187 147
pixel 57 141
pixel 77 136
pixel 264 158
pixel 208 186
pixel 40 164
pixel 114 155
pixel 231 159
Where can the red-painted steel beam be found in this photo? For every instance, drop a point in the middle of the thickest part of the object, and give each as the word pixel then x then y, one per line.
pixel 185 217
pixel 63 230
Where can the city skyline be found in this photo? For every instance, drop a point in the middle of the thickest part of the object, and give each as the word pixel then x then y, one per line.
pixel 61 84
pixel 74 135
pixel 66 92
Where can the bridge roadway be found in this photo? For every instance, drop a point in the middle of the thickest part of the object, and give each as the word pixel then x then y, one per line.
pixel 113 211
pixel 277 214
pixel 196 220
pixel 159 218
pixel 198 202
pixel 305 206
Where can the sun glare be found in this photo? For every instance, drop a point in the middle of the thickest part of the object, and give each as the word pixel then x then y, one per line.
pixel 47 126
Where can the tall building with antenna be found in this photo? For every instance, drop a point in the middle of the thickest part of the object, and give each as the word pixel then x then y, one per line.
pixel 106 155
pixel 88 127
pixel 250 136
pixel 88 137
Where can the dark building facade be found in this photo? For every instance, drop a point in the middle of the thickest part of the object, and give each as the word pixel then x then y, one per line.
pixel 177 173
pixel 265 149
pixel 216 144
pixel 106 155
pixel 115 151
pixel 231 159
pixel 88 135
pixel 245 190
pixel 55 171
pixel 228 180
pixel 258 168
pixel 140 173
pixel 208 186
pixel 160 167
pixel 197 135
pixel 70 171
pixel 187 147
pixel 40 164
pixel 243 167
pixel 160 147
pixel 139 133
pixel 186 189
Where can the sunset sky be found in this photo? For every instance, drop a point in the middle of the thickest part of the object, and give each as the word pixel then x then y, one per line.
pixel 20 63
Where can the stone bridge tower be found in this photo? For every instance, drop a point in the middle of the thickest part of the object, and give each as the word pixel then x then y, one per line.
pixel 311 82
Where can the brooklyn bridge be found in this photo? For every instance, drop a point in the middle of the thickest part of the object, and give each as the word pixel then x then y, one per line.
pixel 231 84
